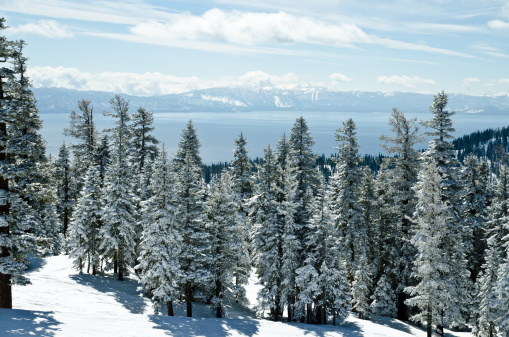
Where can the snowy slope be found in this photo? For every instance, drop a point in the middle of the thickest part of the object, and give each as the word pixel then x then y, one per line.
pixel 61 302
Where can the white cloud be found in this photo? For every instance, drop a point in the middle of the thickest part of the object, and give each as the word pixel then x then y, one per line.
pixel 250 28
pixel 503 81
pixel 149 84
pixel 128 83
pixel 47 28
pixel 498 24
pixel 338 77
pixel 410 82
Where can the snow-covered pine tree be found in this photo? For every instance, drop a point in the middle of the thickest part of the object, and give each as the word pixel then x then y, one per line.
pixel 188 201
pixel 287 205
pixel 440 151
pixel 307 180
pixel 398 188
pixel 84 229
pixel 161 243
pixel 436 295
pixel 243 185
pixel 384 299
pixel 344 199
pixel 227 242
pixel 21 151
pixel 336 289
pixel 386 217
pixel 361 288
pixel 64 187
pixel 117 232
pixel 267 234
pixel 322 241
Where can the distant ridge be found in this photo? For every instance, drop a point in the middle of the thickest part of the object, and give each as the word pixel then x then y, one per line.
pixel 58 100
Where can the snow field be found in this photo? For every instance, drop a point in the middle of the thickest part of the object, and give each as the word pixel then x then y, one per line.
pixel 60 302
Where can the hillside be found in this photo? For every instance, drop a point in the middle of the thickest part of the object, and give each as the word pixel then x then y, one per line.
pixel 61 302
pixel 56 100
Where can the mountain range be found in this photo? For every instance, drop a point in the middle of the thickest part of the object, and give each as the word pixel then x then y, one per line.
pixel 231 99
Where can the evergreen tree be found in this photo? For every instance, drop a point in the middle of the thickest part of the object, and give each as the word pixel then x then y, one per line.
pixel 242 184
pixel 306 175
pixel 441 153
pixel 161 242
pixel 227 243
pixel 268 234
pixel 437 294
pixel 360 289
pixel 384 299
pixel 401 201
pixel 21 152
pixel 188 200
pixel 344 199
pixel 84 237
pixel 118 234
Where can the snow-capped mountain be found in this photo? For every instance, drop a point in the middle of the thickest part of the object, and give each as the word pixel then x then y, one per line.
pixel 57 100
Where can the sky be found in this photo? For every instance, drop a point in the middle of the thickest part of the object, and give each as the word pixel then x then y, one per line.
pixel 149 47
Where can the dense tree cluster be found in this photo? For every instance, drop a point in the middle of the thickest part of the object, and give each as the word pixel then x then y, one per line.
pixel 419 236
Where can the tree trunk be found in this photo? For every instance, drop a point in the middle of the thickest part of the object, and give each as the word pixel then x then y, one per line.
pixel 278 306
pixel 120 265
pixel 319 314
pixel 429 320
pixel 290 313
pixel 5 279
pixel 308 311
pixel 169 305
pixel 189 299
pixel 219 311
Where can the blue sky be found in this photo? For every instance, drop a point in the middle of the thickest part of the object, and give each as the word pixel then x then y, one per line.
pixel 161 47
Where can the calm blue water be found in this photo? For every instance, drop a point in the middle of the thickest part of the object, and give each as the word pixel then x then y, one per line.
pixel 217 131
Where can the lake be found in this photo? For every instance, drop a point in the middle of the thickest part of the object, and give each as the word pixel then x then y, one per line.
pixel 217 131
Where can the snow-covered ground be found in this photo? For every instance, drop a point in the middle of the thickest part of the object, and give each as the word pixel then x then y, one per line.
pixel 61 302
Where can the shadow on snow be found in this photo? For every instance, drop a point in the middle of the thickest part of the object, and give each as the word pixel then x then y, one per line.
pixel 17 322
pixel 124 292
pixel 210 327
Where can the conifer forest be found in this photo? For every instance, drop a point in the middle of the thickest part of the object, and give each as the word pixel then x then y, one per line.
pixel 420 236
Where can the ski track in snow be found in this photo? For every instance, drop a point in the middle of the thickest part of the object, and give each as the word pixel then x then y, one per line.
pixel 61 302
